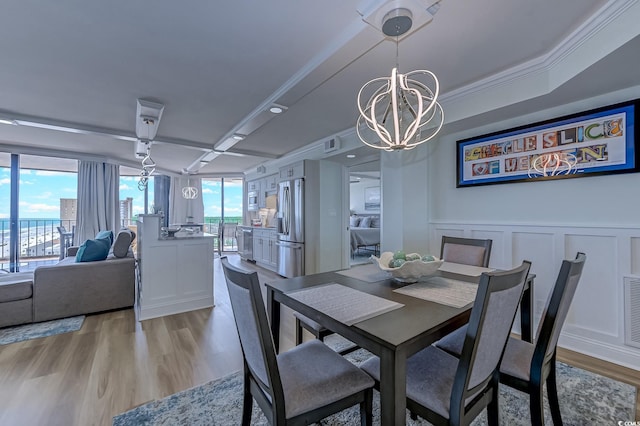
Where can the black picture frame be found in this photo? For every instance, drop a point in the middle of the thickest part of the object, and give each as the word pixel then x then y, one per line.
pixel 602 140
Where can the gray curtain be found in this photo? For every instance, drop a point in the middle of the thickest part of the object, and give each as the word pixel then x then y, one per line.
pixel 180 209
pixel 98 199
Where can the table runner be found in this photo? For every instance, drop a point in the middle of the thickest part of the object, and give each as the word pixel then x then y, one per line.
pixel 442 290
pixel 342 303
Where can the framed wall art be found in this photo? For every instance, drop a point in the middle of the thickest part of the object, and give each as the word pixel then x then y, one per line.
pixel 372 198
pixel 595 142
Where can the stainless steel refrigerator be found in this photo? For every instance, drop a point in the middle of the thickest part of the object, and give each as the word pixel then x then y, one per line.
pixel 291 228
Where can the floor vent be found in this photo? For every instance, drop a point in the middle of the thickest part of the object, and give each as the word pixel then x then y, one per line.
pixel 632 311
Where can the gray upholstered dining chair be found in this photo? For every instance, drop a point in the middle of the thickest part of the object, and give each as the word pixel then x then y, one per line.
pixel 297 387
pixel 446 390
pixel 468 251
pixel 527 366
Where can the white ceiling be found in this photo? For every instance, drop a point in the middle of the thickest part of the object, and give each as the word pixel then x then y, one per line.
pixel 215 65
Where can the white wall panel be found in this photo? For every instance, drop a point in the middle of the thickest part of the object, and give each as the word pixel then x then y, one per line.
pixel 597 294
pixel 635 255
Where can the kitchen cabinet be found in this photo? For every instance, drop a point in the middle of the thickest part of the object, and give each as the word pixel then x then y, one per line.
pixel 271 183
pixel 265 250
pixel 254 185
pixel 292 171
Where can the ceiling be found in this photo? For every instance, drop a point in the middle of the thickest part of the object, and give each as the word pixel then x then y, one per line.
pixel 218 66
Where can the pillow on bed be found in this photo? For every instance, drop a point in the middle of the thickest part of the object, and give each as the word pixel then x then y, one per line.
pixel 375 222
pixel 354 221
pixel 365 222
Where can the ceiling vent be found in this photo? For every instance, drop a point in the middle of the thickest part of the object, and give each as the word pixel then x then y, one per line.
pixel 332 144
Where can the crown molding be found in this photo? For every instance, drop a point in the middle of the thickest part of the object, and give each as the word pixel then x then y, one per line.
pixel 556 56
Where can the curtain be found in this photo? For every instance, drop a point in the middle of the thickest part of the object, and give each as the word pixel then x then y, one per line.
pixel 98 199
pixel 182 210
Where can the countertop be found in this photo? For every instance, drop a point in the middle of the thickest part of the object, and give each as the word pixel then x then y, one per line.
pixel 186 236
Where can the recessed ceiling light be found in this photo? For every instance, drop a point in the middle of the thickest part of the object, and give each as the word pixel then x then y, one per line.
pixel 276 109
pixel 351 156
pixel 238 137
pixel 5 121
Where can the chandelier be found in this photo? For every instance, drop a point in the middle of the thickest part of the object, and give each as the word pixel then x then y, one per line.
pixel 553 164
pixel 401 111
pixel 148 168
pixel 189 192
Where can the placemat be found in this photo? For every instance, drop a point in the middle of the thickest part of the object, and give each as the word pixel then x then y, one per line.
pixel 369 273
pixel 343 303
pixel 442 290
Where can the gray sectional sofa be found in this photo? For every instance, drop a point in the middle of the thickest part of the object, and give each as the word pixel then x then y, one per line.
pixel 69 288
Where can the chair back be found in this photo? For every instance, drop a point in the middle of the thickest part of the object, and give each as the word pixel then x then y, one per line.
pixel 62 230
pixel 253 328
pixel 467 251
pixel 557 309
pixel 492 316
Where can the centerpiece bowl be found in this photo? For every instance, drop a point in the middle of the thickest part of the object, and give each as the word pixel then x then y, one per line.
pixel 411 270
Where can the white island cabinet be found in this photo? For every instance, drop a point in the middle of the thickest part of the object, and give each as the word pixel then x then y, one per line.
pixel 174 274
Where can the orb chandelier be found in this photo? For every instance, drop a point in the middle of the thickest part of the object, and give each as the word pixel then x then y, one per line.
pixel 402 111
pixel 189 192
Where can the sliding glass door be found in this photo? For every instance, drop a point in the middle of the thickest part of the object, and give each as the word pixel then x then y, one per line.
pixel 37 217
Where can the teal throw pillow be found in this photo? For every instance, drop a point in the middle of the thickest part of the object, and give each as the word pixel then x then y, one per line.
pixel 92 250
pixel 105 234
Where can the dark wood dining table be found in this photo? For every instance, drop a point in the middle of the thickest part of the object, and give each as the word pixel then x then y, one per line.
pixel 393 336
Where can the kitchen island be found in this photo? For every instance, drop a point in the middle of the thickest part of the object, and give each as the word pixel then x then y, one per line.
pixel 175 274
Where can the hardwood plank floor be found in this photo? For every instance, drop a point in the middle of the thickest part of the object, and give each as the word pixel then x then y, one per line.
pixel 115 363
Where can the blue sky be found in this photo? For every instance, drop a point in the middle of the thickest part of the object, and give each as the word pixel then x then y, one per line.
pixel 40 193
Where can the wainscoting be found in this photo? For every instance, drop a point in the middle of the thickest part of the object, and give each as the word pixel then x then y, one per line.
pixel 596 322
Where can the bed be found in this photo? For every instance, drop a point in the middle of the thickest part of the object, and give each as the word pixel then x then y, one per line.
pixel 365 233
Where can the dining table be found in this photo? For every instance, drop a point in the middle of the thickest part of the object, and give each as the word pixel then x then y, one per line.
pixel 402 325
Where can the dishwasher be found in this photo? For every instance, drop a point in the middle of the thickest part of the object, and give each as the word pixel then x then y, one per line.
pixel 245 242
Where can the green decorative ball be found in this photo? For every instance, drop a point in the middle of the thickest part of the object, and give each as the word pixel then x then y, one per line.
pixel 399 255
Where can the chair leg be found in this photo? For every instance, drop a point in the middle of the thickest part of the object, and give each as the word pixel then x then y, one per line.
pixel 298 332
pixel 493 409
pixel 552 393
pixel 247 402
pixel 536 404
pixel 366 409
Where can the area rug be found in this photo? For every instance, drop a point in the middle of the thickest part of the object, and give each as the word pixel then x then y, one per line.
pixel 20 333
pixel 585 398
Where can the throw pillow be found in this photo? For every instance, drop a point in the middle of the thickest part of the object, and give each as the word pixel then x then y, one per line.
pixel 105 234
pixel 365 222
pixel 92 250
pixel 122 243
pixel 375 222
pixel 354 221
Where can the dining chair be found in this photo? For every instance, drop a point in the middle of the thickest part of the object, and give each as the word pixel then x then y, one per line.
pixel 468 251
pixel 446 390
pixel 297 387
pixel 527 366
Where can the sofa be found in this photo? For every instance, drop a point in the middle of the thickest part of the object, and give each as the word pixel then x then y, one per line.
pixel 70 288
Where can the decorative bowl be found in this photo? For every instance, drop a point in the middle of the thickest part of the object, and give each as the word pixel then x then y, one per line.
pixel 411 271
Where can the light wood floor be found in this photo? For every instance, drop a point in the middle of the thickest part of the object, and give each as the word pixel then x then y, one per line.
pixel 115 363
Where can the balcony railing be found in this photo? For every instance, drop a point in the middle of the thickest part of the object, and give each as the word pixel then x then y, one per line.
pixel 39 238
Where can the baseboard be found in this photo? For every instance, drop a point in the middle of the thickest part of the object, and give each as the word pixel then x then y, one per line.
pixel 615 354
pixel 149 312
